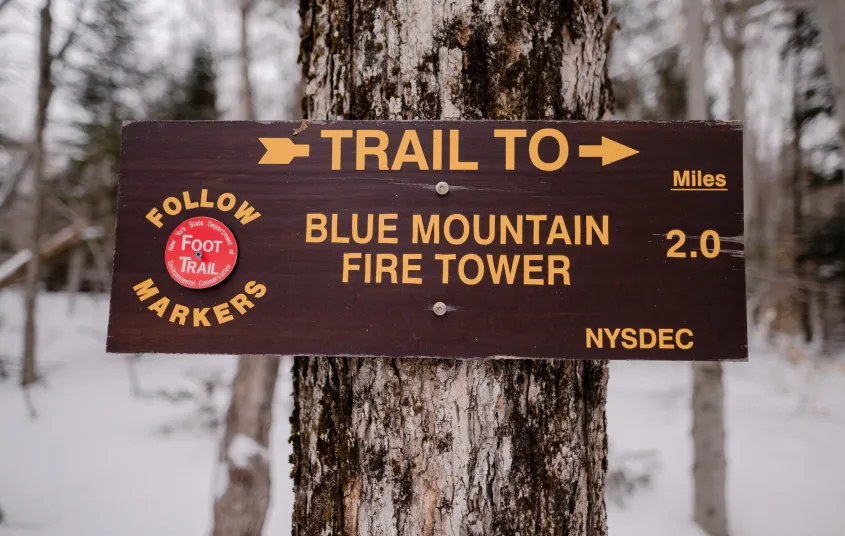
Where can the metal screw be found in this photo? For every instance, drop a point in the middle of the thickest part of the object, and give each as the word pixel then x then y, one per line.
pixel 442 188
pixel 439 308
pixel 198 254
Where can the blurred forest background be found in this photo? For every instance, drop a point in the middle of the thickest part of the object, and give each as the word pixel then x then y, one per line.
pixel 73 71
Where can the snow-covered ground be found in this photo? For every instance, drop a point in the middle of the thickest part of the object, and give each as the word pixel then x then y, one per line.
pixel 102 460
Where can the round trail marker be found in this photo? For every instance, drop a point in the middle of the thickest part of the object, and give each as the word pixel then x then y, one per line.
pixel 201 252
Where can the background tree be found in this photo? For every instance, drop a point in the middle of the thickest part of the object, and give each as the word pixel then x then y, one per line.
pixel 425 446
pixel 240 508
pixel 46 87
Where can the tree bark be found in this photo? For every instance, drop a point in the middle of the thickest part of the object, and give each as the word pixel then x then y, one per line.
pixel 424 446
pixel 243 487
pixel 708 399
pixel 29 373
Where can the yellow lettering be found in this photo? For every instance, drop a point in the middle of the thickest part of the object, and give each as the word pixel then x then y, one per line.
pixel 562 270
pixel 222 313
pixel 348 267
pixel 241 303
pixel 558 232
pixel 256 290
pixel 651 334
pixel 145 289
pixel 356 236
pixel 154 216
pixel 601 233
pixel 410 139
pixel 479 269
pixel 315 222
pixel 447 229
pixel 594 337
pixel 454 154
pixel 246 213
pixel 172 206
pixel 204 202
pixel 680 181
pixel 611 336
pixel 528 269
pixel 503 265
pixel 407 268
pixel 226 202
pixel 534 149
pixel 179 314
pixel 665 339
pixel 335 238
pixel 160 306
pixel 445 258
pixel 186 196
pixel 429 234
pixel 536 219
pixel 336 137
pixel 199 317
pixel 389 268
pixel 476 225
pixel 682 345
pixel 437 150
pixel 506 228
pixel 629 338
pixel 362 150
pixel 510 135
pixel 383 227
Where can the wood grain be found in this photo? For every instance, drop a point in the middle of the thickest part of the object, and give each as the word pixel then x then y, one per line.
pixel 308 310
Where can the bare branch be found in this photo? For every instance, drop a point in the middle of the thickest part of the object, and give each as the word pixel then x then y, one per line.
pixel 74 29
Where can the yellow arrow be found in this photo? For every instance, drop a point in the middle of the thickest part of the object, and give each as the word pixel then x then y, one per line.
pixel 282 150
pixel 609 151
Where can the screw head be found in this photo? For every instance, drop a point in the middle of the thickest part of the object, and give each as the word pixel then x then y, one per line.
pixel 198 254
pixel 439 308
pixel 442 187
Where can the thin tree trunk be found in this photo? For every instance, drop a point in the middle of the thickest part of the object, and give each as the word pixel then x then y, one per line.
pixel 708 399
pixel 243 494
pixel 708 435
pixel 247 96
pixel 75 272
pixel 243 488
pixel 424 446
pixel 830 15
pixel 29 373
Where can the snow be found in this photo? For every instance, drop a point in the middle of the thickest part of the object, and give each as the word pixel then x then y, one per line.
pixel 100 460
pixel 244 448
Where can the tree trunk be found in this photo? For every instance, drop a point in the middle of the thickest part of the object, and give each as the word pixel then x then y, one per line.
pixel 29 373
pixel 243 487
pixel 708 422
pixel 423 446
pixel 830 15
pixel 247 96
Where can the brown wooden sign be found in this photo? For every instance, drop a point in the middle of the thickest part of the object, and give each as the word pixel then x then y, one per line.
pixel 546 239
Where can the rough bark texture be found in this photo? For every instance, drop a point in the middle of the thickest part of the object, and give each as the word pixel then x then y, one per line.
pixel 708 397
pixel 243 488
pixel 410 447
pixel 29 373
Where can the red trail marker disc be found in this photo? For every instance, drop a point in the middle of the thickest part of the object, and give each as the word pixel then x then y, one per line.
pixel 200 253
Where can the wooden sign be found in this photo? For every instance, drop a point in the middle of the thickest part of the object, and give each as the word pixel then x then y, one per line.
pixel 546 239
